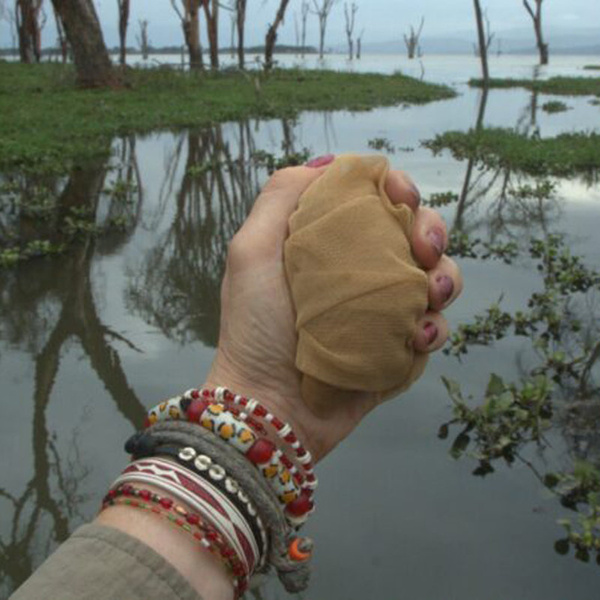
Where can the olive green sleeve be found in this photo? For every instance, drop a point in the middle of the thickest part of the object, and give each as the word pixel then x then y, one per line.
pixel 101 563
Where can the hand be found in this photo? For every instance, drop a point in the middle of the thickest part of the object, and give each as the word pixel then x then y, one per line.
pixel 257 344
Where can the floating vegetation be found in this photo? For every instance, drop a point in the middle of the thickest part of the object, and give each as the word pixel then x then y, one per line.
pixel 441 199
pixel 272 162
pixel 381 143
pixel 565 86
pixel 564 156
pixel 511 416
pixel 555 106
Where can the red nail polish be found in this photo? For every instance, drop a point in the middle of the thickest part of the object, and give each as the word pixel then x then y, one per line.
pixel 431 332
pixel 320 161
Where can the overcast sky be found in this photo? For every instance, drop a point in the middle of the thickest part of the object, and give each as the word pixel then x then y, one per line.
pixel 383 20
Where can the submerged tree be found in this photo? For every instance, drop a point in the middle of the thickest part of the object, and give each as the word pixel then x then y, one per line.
pixel 536 17
pixel 142 38
pixel 271 36
pixel 84 34
pixel 123 23
pixel 240 16
pixel 483 45
pixel 411 41
pixel 350 14
pixel 322 11
pixel 190 24
pixel 359 44
pixel 304 10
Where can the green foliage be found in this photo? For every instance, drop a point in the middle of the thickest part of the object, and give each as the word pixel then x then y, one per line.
pixel 562 156
pixel 592 67
pixel 441 199
pixel 381 143
pixel 565 86
pixel 272 162
pixel 555 106
pixel 47 124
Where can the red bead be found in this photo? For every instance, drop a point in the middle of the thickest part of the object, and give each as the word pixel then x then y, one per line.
pixel 239 571
pixel 112 494
pixel 228 395
pixel 195 410
pixel 198 536
pixel 127 490
pixel 195 394
pixel 255 425
pixel 146 423
pixel 212 536
pixel 287 462
pixel 300 452
pixel 298 478
pixel 206 393
pixel 228 553
pixel 179 522
pixel 166 503
pixel 300 506
pixel 145 495
pixel 193 519
pixel 290 438
pixel 260 452
pixel 309 466
pixel 260 411
pixel 277 423
pixel 243 401
pixel 311 477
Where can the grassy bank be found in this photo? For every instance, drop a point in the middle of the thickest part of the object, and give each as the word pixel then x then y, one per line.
pixel 563 156
pixel 47 123
pixel 562 86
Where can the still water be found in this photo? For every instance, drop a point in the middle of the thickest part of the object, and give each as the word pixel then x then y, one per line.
pixel 90 339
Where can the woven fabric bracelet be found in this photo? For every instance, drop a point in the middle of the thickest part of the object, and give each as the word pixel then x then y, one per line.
pixel 141 445
pixel 288 554
pixel 249 410
pixel 208 537
pixel 192 491
pixel 270 461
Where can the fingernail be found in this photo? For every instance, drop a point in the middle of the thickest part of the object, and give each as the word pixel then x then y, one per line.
pixel 320 161
pixel 417 194
pixel 431 332
pixel 436 237
pixel 446 286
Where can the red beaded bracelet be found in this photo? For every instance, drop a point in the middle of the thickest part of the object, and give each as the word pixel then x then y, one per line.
pixel 208 537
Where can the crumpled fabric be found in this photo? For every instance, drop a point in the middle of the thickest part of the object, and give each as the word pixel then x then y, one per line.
pixel 356 287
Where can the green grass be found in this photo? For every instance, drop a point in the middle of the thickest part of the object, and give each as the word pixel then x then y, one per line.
pixel 49 124
pixel 563 156
pixel 555 106
pixel 592 67
pixel 563 86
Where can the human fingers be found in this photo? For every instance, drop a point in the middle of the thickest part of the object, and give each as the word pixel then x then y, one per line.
pixel 445 283
pixel 429 238
pixel 432 332
pixel 401 189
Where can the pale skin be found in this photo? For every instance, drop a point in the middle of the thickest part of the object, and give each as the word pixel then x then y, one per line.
pixel 257 344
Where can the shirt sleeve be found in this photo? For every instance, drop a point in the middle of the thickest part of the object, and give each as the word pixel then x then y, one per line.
pixel 101 563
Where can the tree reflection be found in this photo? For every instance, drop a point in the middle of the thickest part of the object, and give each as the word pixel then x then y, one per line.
pixel 44 306
pixel 178 287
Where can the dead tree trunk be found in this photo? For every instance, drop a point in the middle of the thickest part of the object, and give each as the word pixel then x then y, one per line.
pixel 190 23
pixel 142 38
pixel 29 22
pixel 322 13
pixel 123 23
pixel 304 13
pixel 62 41
pixel 271 36
pixel 359 45
pixel 483 48
pixel 211 11
pixel 536 17
pixel 83 31
pixel 350 14
pixel 412 41
pixel 240 13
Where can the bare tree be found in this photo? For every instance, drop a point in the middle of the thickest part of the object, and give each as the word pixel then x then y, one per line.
pixel 350 14
pixel 240 13
pixel 483 46
pixel 359 44
pixel 211 11
pixel 62 42
pixel 10 17
pixel 30 20
pixel 190 23
pixel 322 11
pixel 304 10
pixel 142 38
pixel 233 18
pixel 84 34
pixel 411 41
pixel 123 23
pixel 488 36
pixel 271 36
pixel 536 17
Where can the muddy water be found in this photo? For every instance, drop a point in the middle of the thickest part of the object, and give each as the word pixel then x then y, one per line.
pixel 90 339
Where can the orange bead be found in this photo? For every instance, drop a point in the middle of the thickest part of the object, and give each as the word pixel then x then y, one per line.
pixel 296 552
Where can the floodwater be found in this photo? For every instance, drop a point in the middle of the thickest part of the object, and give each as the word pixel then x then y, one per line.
pixel 90 339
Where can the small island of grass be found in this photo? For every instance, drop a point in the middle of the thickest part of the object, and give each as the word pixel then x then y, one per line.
pixel 562 86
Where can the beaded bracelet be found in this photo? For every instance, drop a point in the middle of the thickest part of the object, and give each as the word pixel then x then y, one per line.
pixel 140 446
pixel 208 538
pixel 216 418
pixel 194 492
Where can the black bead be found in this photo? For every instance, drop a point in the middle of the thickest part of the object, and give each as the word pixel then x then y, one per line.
pixel 132 442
